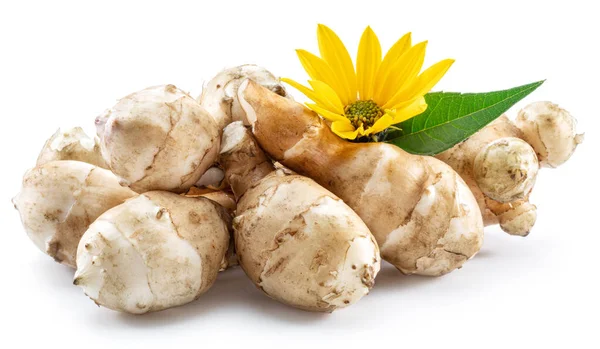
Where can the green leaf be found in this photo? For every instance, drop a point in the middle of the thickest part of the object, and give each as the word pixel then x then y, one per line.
pixel 452 117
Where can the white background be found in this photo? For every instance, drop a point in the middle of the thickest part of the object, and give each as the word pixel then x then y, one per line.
pixel 64 63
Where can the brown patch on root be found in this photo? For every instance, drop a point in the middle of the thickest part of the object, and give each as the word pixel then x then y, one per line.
pixel 278 266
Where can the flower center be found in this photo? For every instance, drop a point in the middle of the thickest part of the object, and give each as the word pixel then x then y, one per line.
pixel 363 113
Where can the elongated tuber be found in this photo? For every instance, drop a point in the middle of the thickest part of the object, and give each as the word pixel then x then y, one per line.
pixel 72 144
pixel 219 95
pixel 297 242
pixel 155 251
pixel 60 199
pixel 422 214
pixel 158 138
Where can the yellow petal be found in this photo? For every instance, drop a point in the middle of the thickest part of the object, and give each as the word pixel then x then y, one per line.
pixel 335 54
pixel 402 72
pixel 422 84
pixel 327 114
pixel 344 129
pixel 318 69
pixel 415 108
pixel 305 90
pixel 361 131
pixel 367 63
pixel 429 78
pixel 393 54
pixel 326 93
pixel 384 122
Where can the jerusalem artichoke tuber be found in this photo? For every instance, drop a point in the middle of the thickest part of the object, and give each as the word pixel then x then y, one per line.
pixel 505 170
pixel 296 241
pixel 422 214
pixel 60 199
pixel 544 130
pixel 551 132
pixel 155 251
pixel 158 138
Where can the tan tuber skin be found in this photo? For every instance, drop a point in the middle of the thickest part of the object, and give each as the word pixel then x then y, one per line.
pixel 158 138
pixel 155 251
pixel 219 95
pixel 500 162
pixel 422 214
pixel 551 132
pixel 297 242
pixel 72 144
pixel 60 199
pixel 227 201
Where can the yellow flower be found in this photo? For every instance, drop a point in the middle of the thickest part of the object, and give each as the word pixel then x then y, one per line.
pixel 380 93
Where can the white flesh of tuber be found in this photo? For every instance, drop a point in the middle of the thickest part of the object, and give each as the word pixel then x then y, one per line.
pixel 60 199
pixel 296 241
pixel 72 144
pixel 155 251
pixel 551 132
pixel 219 95
pixel 159 138
pixel 213 178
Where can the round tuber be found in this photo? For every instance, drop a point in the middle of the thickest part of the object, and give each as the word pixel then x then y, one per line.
pixel 155 251
pixel 505 170
pixel 551 132
pixel 159 138
pixel 60 199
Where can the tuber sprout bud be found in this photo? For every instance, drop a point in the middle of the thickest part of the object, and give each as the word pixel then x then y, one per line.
pixel 505 170
pixel 158 138
pixel 519 219
pixel 551 132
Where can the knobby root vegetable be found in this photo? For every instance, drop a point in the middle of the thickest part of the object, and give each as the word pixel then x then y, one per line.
pixel 515 191
pixel 60 199
pixel 551 132
pixel 72 144
pixel 515 218
pixel 219 96
pixel 297 242
pixel 155 251
pixel 158 138
pixel 501 170
pixel 422 214
pixel 505 169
